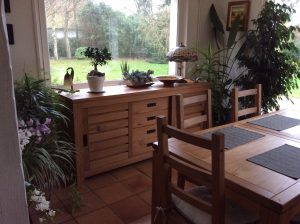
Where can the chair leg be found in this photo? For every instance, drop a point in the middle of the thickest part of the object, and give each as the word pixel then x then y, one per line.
pixel 181 180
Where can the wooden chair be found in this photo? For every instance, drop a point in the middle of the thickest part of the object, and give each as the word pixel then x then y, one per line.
pixel 236 112
pixel 194 112
pixel 172 204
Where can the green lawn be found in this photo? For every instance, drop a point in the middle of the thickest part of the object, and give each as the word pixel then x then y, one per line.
pixel 296 92
pixel 112 70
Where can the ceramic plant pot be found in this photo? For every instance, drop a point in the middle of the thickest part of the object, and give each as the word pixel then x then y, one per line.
pixel 96 83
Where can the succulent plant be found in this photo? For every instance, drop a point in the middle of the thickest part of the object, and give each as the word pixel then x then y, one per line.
pixel 138 78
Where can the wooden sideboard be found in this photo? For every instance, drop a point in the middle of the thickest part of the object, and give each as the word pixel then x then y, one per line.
pixel 117 127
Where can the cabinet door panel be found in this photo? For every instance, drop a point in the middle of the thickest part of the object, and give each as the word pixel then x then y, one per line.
pixel 108 160
pixel 107 126
pixel 108 135
pixel 102 153
pixel 109 143
pixel 107 117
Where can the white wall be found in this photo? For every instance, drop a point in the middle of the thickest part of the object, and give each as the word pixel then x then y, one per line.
pixel 24 53
pixel 13 207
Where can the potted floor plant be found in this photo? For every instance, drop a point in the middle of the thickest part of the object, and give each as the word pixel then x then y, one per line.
pixel 97 57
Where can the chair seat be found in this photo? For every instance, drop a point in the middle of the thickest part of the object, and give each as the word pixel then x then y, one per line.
pixel 233 214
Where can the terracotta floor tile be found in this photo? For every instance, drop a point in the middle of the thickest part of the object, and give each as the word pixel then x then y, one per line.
pixel 138 183
pixel 131 209
pixel 144 166
pixel 145 220
pixel 70 222
pixel 101 180
pixel 146 196
pixel 113 193
pixel 61 214
pixel 91 202
pixel 125 172
pixel 102 216
pixel 64 193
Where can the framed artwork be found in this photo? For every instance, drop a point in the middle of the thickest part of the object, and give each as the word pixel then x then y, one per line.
pixel 238 9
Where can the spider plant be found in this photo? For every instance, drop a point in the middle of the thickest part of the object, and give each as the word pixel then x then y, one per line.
pixel 48 159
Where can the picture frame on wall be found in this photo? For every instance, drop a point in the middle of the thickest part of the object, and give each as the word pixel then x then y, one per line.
pixel 238 9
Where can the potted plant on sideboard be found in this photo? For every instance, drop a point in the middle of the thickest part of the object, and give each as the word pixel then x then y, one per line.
pixel 97 57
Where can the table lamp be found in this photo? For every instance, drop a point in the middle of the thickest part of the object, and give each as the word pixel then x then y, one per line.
pixel 182 54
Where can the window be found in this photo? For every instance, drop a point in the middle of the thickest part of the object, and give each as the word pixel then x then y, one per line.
pixel 134 30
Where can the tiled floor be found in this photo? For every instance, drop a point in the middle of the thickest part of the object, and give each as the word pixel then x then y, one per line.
pixel 122 196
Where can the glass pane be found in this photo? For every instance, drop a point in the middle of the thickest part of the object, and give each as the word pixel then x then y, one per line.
pixel 134 30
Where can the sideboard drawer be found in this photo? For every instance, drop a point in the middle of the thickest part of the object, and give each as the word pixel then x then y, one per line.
pixel 145 119
pixel 146 106
pixel 142 139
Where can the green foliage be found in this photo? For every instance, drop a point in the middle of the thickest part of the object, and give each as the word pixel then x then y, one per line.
pixel 124 67
pixel 48 162
pixel 269 53
pixel 79 53
pixel 97 57
pixel 138 78
pixel 144 34
pixel 216 66
pixel 76 199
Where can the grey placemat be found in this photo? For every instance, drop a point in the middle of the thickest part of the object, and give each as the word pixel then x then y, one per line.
pixel 277 122
pixel 284 159
pixel 235 136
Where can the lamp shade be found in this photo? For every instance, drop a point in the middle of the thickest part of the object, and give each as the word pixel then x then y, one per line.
pixel 182 54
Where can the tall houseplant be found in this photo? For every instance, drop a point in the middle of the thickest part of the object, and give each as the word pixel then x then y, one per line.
pixel 270 55
pixel 216 66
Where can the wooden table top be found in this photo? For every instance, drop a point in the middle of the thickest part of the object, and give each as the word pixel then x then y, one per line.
pixel 260 185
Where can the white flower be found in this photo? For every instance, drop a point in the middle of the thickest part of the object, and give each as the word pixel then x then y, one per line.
pixel 34 198
pixel 36 192
pixel 51 213
pixel 41 219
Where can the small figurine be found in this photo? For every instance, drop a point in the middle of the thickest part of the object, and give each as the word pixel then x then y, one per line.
pixel 68 79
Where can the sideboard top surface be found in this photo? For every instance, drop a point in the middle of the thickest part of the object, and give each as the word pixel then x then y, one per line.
pixel 112 92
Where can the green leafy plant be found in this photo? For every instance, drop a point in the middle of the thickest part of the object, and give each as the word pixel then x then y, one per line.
pixel 270 55
pixel 124 67
pixel 47 151
pixel 138 78
pixel 76 199
pixel 216 67
pixel 97 57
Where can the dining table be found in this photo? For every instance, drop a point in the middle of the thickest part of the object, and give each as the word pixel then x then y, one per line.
pixel 272 195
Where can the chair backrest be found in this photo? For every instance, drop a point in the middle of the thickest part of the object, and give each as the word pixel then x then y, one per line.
pixel 236 112
pixel 194 112
pixel 164 162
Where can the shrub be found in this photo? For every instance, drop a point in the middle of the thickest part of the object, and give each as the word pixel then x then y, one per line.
pixel 79 53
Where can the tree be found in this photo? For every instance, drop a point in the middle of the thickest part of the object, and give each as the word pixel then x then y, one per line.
pixel 269 54
pixel 143 7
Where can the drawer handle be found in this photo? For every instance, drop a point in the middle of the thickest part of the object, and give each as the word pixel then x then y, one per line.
pixel 151 131
pixel 151 104
pixel 149 144
pixel 150 118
